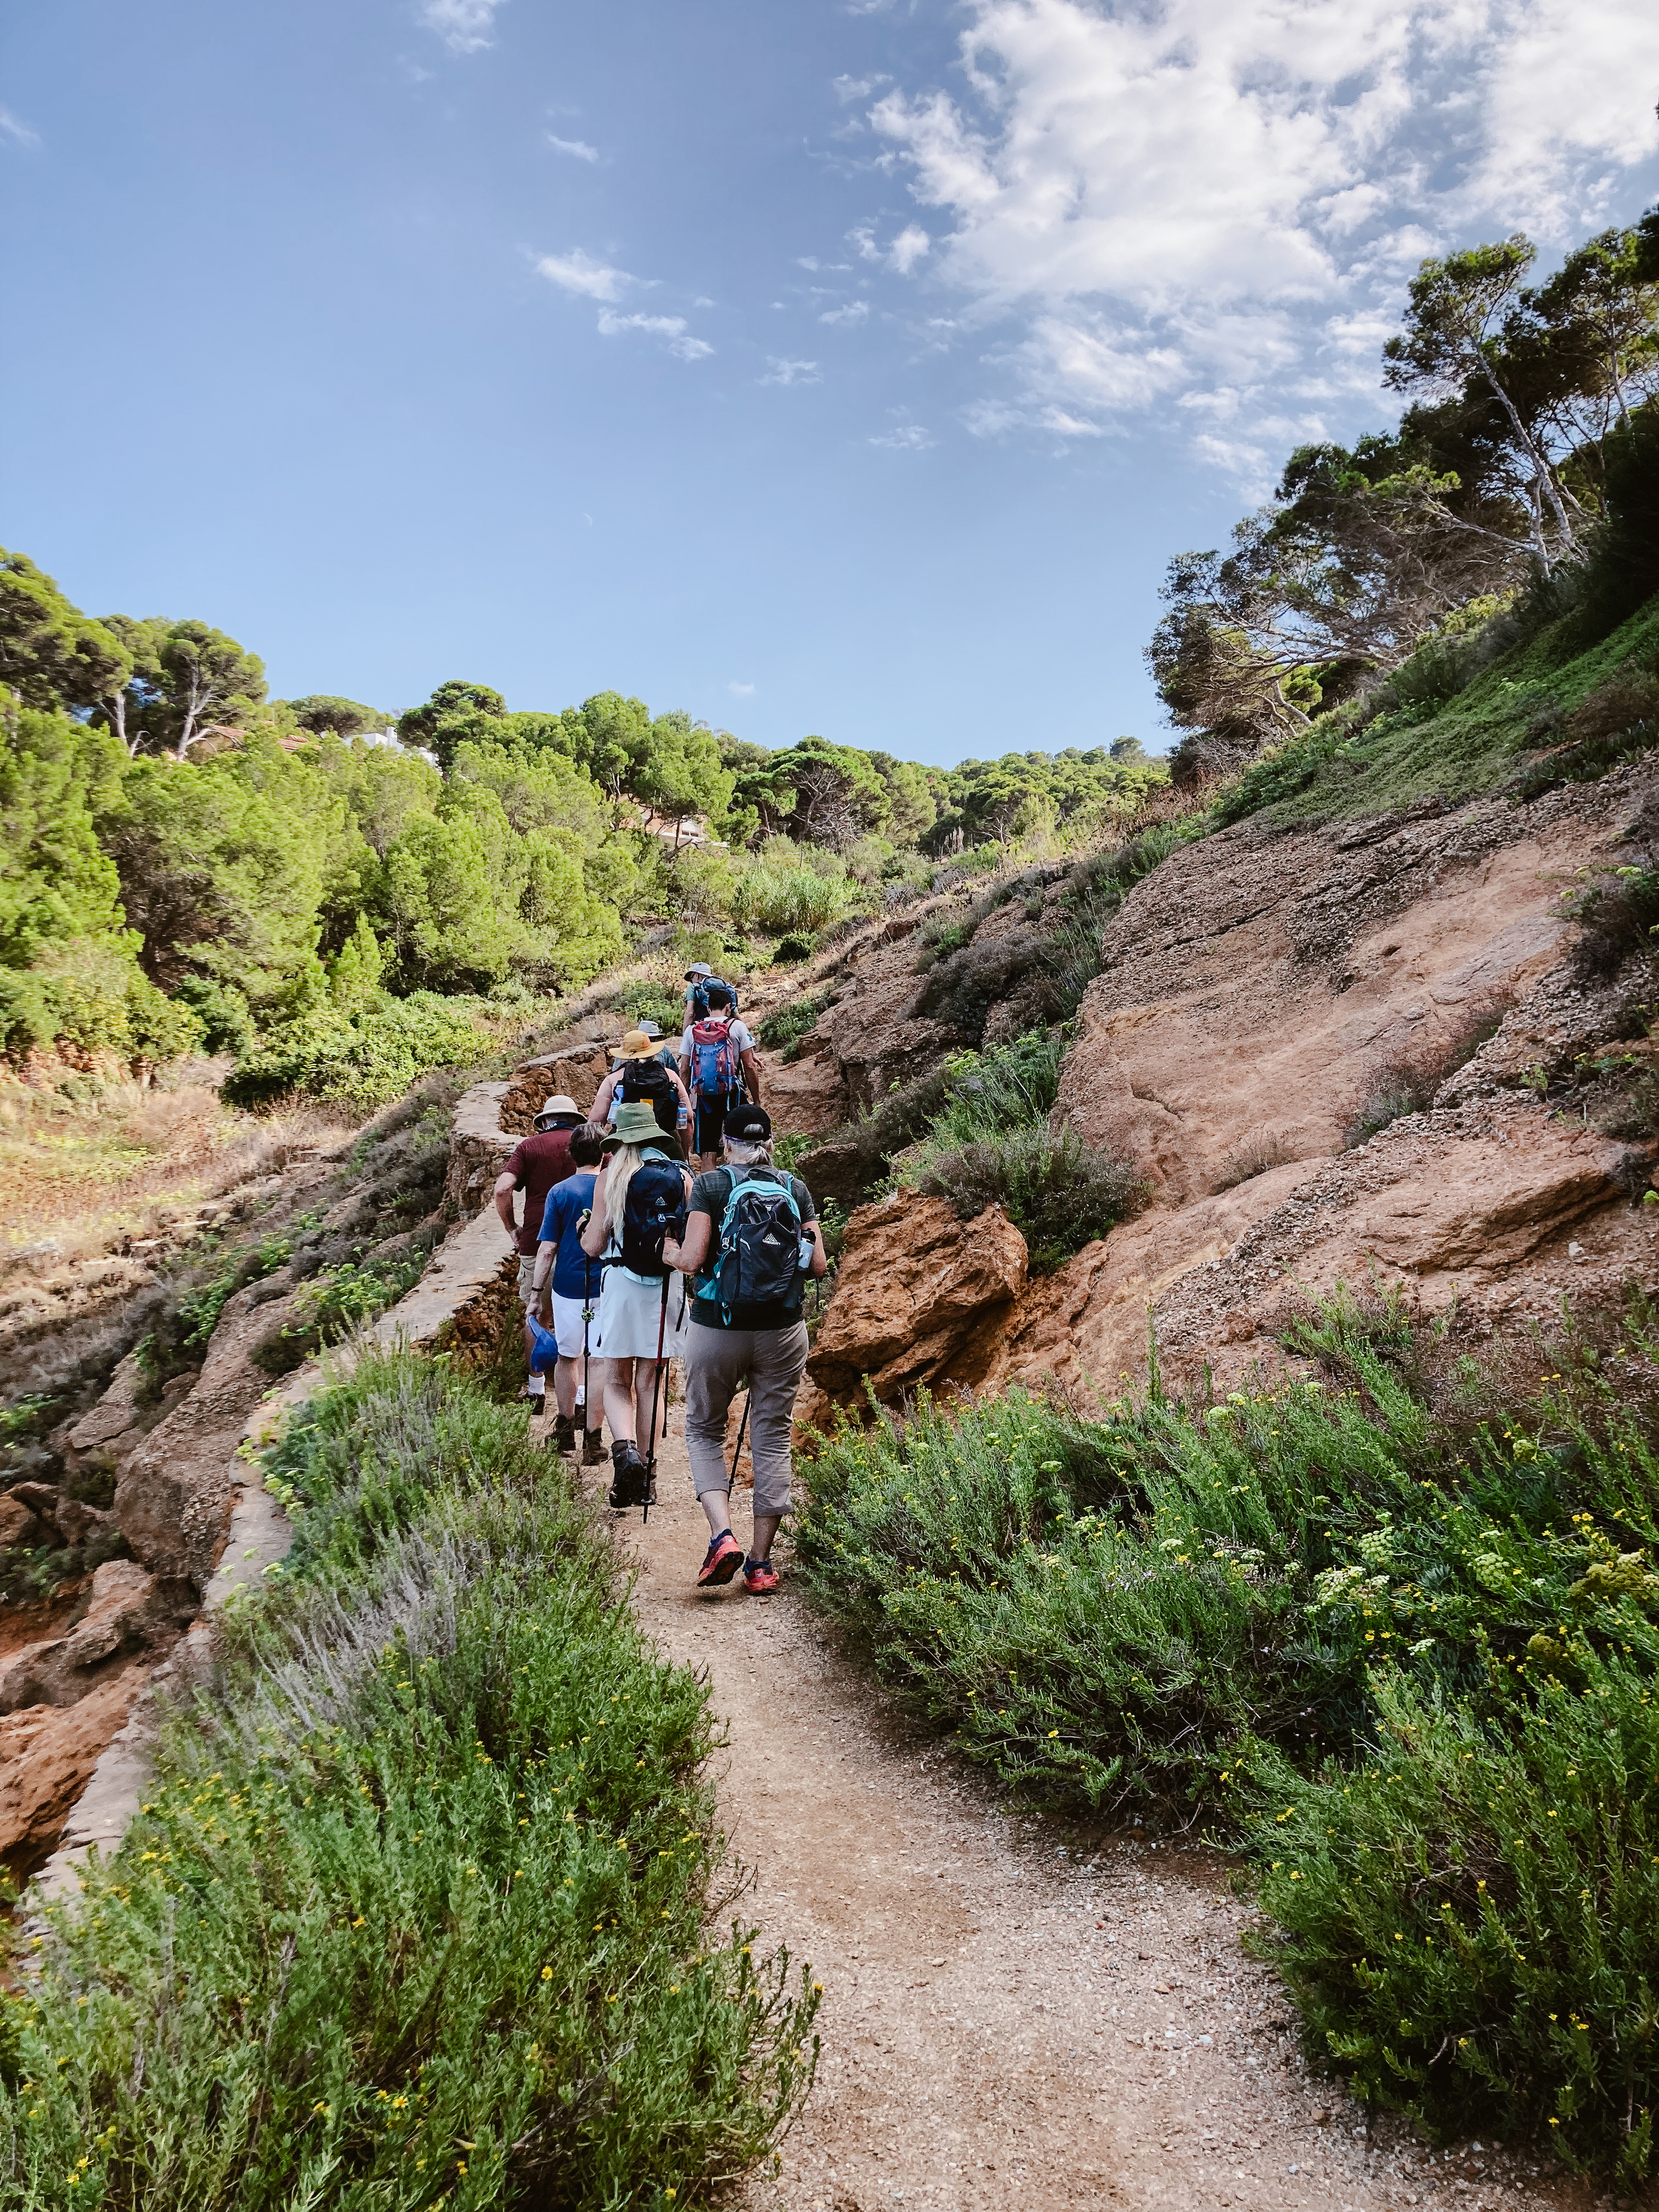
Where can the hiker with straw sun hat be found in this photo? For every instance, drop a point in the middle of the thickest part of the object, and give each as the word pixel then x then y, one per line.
pixel 639 1203
pixel 640 1074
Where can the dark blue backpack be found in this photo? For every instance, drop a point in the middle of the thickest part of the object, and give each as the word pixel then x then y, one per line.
pixel 654 1208
pixel 700 991
pixel 756 1258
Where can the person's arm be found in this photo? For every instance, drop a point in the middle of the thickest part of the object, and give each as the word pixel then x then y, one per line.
pixel 593 1237
pixel 542 1280
pixel 751 1073
pixel 820 1260
pixel 602 1097
pixel 692 1250
pixel 505 1183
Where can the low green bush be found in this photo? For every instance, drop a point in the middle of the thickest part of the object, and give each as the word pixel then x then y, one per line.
pixel 1060 1193
pixel 419 1907
pixel 792 900
pixel 1393 1627
pixel 364 1057
pixel 786 1026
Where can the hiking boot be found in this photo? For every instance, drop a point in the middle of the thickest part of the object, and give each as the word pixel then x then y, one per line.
pixel 760 1577
pixel 630 1479
pixel 720 1562
pixel 564 1433
pixel 592 1447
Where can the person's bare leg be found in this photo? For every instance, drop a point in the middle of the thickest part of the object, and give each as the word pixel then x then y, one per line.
pixel 717 1511
pixel 619 1399
pixel 766 1527
pixel 564 1387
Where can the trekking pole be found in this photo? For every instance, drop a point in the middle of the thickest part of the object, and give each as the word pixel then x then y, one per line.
pixel 738 1453
pixel 656 1384
pixel 587 1310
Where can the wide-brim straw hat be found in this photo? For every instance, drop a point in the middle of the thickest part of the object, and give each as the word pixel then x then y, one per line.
pixel 635 1124
pixel 638 1046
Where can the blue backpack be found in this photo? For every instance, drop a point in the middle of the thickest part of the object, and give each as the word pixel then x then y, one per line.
pixel 757 1254
pixel 700 991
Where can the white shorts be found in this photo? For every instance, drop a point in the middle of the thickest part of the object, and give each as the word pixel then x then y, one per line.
pixel 568 1328
pixel 631 1313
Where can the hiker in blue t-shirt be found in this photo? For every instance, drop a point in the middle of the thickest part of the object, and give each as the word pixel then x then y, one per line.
pixel 566 1285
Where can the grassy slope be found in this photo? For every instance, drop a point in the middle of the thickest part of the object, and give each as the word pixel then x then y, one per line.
pixel 1452 752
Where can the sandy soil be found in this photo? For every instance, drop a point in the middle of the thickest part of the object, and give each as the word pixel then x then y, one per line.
pixel 1015 2012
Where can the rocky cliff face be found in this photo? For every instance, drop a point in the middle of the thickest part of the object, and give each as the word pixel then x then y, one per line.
pixel 1255 993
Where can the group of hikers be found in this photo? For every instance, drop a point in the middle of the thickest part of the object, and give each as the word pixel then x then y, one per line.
pixel 658 1228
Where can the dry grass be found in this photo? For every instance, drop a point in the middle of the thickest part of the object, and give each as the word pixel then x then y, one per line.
pixel 1264 1149
pixel 79 1172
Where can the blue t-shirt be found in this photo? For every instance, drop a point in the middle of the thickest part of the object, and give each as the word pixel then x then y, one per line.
pixel 567 1202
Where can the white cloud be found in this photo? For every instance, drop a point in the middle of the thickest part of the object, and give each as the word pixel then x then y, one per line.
pixel 13 127
pixel 908 438
pixel 463 26
pixel 741 690
pixel 577 149
pixel 857 88
pixel 780 371
pixel 577 271
pixel 855 311
pixel 911 246
pixel 672 327
pixel 1175 197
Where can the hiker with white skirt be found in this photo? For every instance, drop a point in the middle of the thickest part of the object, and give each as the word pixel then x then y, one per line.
pixel 639 1202
pixel 751 1240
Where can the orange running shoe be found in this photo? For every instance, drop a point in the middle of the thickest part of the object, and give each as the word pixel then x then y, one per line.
pixel 760 1577
pixel 721 1561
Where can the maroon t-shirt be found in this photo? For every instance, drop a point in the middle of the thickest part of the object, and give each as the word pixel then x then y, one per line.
pixel 535 1166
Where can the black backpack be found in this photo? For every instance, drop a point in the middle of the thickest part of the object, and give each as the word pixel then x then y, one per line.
pixel 649 1080
pixel 756 1258
pixel 654 1208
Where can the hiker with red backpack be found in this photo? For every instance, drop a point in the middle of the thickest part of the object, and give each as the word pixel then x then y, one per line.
pixel 719 1063
pixel 639 1206
pixel 751 1240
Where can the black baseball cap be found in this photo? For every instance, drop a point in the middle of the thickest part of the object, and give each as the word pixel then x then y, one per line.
pixel 748 1125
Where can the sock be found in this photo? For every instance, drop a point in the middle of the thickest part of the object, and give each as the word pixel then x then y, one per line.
pixel 538 1386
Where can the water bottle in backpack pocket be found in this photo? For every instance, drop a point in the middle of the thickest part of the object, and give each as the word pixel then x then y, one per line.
pixel 756 1258
pixel 716 1064
pixel 654 1208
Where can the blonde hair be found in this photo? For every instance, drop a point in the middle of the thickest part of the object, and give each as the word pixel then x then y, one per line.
pixel 624 1159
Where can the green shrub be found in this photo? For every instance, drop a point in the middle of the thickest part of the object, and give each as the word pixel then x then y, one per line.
pixel 417 1909
pixel 364 1058
pixel 340 1299
pixel 1469 1913
pixel 786 1025
pixel 1397 1630
pixel 791 899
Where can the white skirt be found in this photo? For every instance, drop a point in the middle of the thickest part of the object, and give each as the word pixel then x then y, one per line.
pixel 631 1312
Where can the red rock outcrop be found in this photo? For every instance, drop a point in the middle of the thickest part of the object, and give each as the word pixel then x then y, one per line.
pixel 923 1298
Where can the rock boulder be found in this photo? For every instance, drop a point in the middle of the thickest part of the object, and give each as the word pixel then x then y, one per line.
pixel 921 1298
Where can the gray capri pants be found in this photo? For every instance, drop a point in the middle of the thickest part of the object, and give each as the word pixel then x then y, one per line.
pixel 718 1361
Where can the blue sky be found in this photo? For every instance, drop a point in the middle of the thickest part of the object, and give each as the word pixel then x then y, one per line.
pixel 848 368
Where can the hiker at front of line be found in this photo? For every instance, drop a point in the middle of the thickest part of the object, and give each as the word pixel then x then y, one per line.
pixel 751 1241
pixel 567 1287
pixel 719 1064
pixel 639 1202
pixel 534 1166
pixel 641 1073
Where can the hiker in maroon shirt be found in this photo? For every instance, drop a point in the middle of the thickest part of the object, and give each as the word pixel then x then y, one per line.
pixel 533 1167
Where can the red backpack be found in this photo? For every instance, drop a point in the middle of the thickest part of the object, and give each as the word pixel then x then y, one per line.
pixel 716 1064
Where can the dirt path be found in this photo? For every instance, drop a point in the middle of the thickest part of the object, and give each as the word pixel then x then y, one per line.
pixel 1012 2014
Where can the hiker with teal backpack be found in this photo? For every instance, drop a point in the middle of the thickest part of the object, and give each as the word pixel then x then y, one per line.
pixel 719 1064
pixel 639 1206
pixel 751 1240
